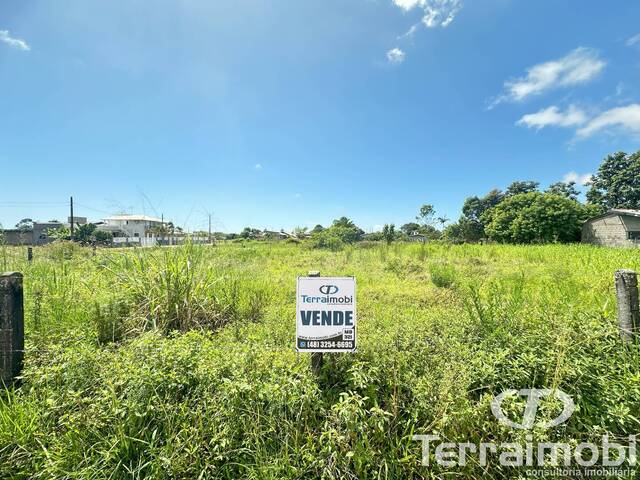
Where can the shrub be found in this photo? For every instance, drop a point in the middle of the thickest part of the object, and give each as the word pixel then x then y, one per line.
pixel 442 275
pixel 109 320
pixel 536 217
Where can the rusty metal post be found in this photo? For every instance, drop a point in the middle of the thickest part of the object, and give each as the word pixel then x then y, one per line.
pixel 11 327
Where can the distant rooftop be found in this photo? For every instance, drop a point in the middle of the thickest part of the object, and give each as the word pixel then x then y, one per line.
pixel 143 218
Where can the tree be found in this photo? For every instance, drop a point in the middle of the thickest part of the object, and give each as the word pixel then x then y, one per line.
pixel 470 226
pixel 389 233
pixel 103 237
pixel 427 212
pixel 617 182
pixel 343 230
pixel 442 221
pixel 564 189
pixel 430 232
pixel 250 233
pixel 463 231
pixel 344 222
pixel 536 217
pixel 25 225
pixel 474 207
pixel 317 228
pixel 410 228
pixel 84 233
pixel 518 187
pixel 299 232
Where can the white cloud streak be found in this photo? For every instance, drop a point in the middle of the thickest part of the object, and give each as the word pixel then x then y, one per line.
pixel 635 40
pixel 437 13
pixel 257 166
pixel 626 119
pixel 13 42
pixel 553 117
pixel 577 178
pixel 579 66
pixel 395 55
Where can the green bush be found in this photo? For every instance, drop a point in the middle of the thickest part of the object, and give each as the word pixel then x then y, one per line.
pixel 442 275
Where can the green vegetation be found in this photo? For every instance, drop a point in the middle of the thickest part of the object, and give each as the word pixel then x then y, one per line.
pixel 536 217
pixel 523 214
pixel 179 362
pixel 617 182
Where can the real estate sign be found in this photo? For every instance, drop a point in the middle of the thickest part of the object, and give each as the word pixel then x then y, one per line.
pixel 326 314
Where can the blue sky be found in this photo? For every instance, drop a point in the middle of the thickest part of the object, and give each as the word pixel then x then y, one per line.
pixel 290 113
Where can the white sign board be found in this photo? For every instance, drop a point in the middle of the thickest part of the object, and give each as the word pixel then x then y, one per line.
pixel 326 314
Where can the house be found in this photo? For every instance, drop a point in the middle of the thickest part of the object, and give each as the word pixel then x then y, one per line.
pixel 40 230
pixel 131 228
pixel 37 235
pixel 417 237
pixel 272 235
pixel 618 227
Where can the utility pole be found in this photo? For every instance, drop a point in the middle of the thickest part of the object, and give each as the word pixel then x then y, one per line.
pixel 209 228
pixel 71 222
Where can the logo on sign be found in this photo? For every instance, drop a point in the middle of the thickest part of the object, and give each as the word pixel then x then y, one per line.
pixel 329 289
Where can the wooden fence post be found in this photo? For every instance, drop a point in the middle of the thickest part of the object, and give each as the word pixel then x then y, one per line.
pixel 317 358
pixel 30 254
pixel 11 327
pixel 628 309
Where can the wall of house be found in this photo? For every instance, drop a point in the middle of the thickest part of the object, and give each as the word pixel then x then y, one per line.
pixel 609 231
pixel 40 230
pixel 16 237
pixel 132 228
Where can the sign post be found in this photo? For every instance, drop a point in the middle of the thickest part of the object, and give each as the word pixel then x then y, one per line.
pixel 325 315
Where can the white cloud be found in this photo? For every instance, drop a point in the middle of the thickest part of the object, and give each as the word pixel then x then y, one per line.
pixel 257 166
pixel 620 118
pixel 395 55
pixel 552 116
pixel 437 13
pixel 14 42
pixel 579 66
pixel 410 32
pixel 579 179
pixel 635 40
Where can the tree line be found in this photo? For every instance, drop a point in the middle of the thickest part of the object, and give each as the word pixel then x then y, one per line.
pixel 523 213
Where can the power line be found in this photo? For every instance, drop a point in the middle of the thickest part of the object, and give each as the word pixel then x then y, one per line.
pixel 20 204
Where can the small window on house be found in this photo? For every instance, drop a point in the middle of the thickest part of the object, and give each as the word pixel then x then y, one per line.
pixel 136 234
pixel 635 235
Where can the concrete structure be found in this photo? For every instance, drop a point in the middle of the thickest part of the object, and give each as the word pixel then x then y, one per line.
pixel 132 226
pixel 272 235
pixel 36 236
pixel 617 228
pixel 40 231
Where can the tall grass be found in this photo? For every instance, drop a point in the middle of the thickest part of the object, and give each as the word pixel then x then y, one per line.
pixel 180 362
pixel 175 289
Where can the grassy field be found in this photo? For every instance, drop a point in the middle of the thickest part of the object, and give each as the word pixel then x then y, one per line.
pixel 180 362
